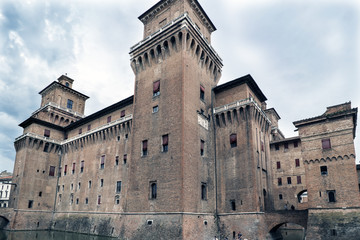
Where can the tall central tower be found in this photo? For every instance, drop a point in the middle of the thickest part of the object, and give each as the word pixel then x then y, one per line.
pixel 172 172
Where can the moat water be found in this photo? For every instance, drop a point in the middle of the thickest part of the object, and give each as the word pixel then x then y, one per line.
pixel 56 235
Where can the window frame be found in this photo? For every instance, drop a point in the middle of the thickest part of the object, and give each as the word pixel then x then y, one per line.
pixel 326 144
pixel 70 104
pixel 156 88
pixel 165 143
pixel 233 140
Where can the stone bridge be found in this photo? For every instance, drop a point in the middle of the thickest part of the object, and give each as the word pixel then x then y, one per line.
pixel 275 219
pixel 5 216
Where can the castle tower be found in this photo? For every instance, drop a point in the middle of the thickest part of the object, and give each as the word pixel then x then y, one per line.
pixel 37 149
pixel 175 69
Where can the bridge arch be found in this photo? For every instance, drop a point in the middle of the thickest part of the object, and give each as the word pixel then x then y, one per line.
pixel 3 222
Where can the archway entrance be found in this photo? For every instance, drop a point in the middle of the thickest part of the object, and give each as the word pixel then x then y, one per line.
pixel 287 231
pixel 3 222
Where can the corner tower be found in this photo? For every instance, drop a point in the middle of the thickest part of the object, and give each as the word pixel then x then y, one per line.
pixel 175 69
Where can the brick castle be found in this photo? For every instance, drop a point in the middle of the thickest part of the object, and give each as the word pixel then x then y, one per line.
pixel 184 157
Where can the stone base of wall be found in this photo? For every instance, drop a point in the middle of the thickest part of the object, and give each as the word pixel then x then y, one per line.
pixel 129 226
pixel 250 225
pixel 333 224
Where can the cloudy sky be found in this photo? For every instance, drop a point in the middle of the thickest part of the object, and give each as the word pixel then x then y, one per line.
pixel 303 54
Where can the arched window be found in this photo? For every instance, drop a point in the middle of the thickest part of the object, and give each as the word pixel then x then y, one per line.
pixel 203 191
pixel 153 190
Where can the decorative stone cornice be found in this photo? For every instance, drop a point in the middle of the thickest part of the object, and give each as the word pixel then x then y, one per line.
pixel 330 159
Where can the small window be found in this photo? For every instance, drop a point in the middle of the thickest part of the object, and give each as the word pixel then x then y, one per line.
pixel 280 196
pixel 233 140
pixel 77 201
pixel 289 180
pixel 73 168
pixel 80 130
pixel 79 185
pixel 101 182
pixel 297 162
pixel 331 195
pixel 52 171
pixel 65 170
pixel 122 114
pixel 233 205
pixel 99 200
pixel 298 179
pixel 323 170
pixel 156 88
pixel 82 163
pixel 46 133
pixel 296 144
pixel 67 84
pixel 108 119
pixel 326 143
pixel 203 191
pixel 262 146
pixel 277 147
pixel 278 165
pixel 144 148
pixel 89 184
pixel 202 143
pixel 153 190
pixel 202 93
pixel 69 104
pixel 279 181
pixel 86 201
pixel 102 162
pixel 155 109
pixel 89 127
pixel 117 199
pixel 30 204
pixel 125 158
pixel 40 194
pixel 118 186
pixel 333 232
pixel 165 143
pixel 116 160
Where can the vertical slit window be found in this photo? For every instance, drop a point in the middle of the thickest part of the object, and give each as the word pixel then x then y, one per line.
pixel 102 162
pixel 156 88
pixel 82 166
pixel 125 158
pixel 65 170
pixel 165 143
pixel 73 168
pixel 233 140
pixel 153 190
pixel 52 171
pixel 202 143
pixel 118 186
pixel 202 93
pixel 203 191
pixel 144 147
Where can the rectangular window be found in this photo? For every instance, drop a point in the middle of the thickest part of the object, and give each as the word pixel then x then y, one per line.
pixel 122 114
pixel 326 143
pixel 125 158
pixel 52 171
pixel 297 162
pixel 73 168
pixel 279 181
pixel 116 160
pixel 296 144
pixel 262 146
pixel 101 182
pixel 165 143
pixel 79 185
pixel 80 130
pixel 82 166
pixel 86 201
pixel 89 184
pixel 46 147
pixel 278 165
pixel 156 88
pixel 155 109
pixel 289 180
pixel 144 148
pixel 65 170
pixel 118 186
pixel 202 92
pixel 69 104
pixel 298 179
pixel 30 204
pixel 89 127
pixel 202 143
pixel 323 170
pixel 233 205
pixel 331 195
pixel 108 119
pixel 233 140
pixel 280 196
pixel 102 162
pixel 99 200
pixel 46 133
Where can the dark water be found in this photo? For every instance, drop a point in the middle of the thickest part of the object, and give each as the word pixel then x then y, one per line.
pixel 47 235
pixel 292 234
